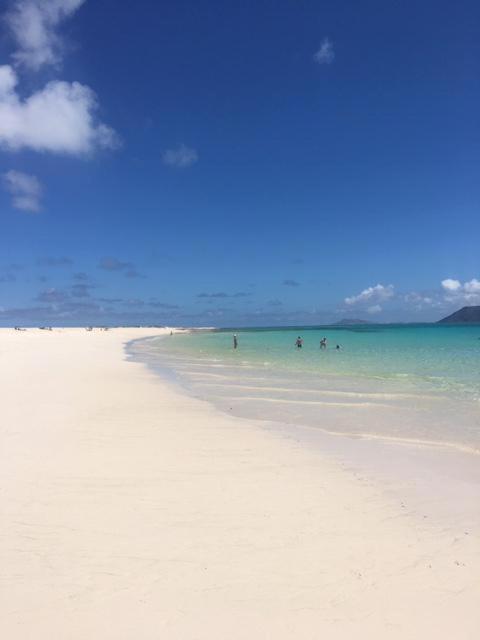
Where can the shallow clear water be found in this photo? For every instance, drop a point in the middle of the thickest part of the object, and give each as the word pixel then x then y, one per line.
pixel 404 382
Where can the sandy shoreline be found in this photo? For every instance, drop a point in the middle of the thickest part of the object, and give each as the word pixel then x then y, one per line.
pixel 129 510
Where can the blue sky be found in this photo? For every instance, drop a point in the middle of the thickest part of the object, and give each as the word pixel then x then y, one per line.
pixel 227 163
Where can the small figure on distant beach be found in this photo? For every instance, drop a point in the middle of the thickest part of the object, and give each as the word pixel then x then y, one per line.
pixel 299 342
pixel 235 341
pixel 323 343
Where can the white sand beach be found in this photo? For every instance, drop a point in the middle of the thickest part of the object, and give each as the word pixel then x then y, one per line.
pixel 130 511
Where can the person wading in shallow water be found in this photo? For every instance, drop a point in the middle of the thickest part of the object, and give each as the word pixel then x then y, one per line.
pixel 235 341
pixel 299 342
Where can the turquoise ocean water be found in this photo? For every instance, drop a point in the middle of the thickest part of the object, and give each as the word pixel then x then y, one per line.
pixel 417 383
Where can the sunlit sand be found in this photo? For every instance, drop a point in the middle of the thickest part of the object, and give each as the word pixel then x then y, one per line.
pixel 132 511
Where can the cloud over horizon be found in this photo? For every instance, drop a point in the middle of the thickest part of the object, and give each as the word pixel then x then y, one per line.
pixel 223 294
pixel 456 291
pixel 378 293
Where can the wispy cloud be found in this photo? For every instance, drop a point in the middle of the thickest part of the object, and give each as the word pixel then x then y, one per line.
pixel 110 300
pixel 375 308
pixel 162 305
pixel 218 294
pixel 377 293
pixel 52 296
pixel 7 277
pixel 33 24
pixel 223 294
pixel 81 290
pixel 60 118
pixel 134 302
pixel 54 261
pixel 25 190
pixel 114 264
pixel 421 299
pixel 181 157
pixel 133 273
pixel 291 283
pixel 128 269
pixel 325 54
pixel 81 276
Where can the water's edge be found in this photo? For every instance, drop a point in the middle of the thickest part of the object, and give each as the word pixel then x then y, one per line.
pixel 431 479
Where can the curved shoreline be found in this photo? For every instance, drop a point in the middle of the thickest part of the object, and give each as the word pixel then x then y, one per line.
pixel 130 510
pixel 363 401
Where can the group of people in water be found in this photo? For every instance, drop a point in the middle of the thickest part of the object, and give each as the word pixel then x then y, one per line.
pixel 323 343
pixel 298 343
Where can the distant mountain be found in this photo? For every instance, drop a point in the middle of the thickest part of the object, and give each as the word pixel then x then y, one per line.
pixel 347 321
pixel 466 315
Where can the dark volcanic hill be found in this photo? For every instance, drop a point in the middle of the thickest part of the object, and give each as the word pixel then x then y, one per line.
pixel 466 315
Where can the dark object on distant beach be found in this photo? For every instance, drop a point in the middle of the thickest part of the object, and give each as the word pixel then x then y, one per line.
pixel 465 315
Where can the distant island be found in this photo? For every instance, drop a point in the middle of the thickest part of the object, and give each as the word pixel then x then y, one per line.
pixel 348 321
pixel 466 315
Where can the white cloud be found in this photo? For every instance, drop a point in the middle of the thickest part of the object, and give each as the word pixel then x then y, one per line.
pixel 33 25
pixel 25 189
pixel 60 118
pixel 181 157
pixel 326 54
pixel 451 285
pixel 372 294
pixel 467 292
pixel 472 287
pixel 376 308
pixel 422 300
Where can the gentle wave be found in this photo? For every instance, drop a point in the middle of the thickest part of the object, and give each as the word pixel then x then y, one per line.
pixel 339 396
pixel 347 394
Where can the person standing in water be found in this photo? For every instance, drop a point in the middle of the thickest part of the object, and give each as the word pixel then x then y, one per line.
pixel 299 342
pixel 323 343
pixel 235 341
